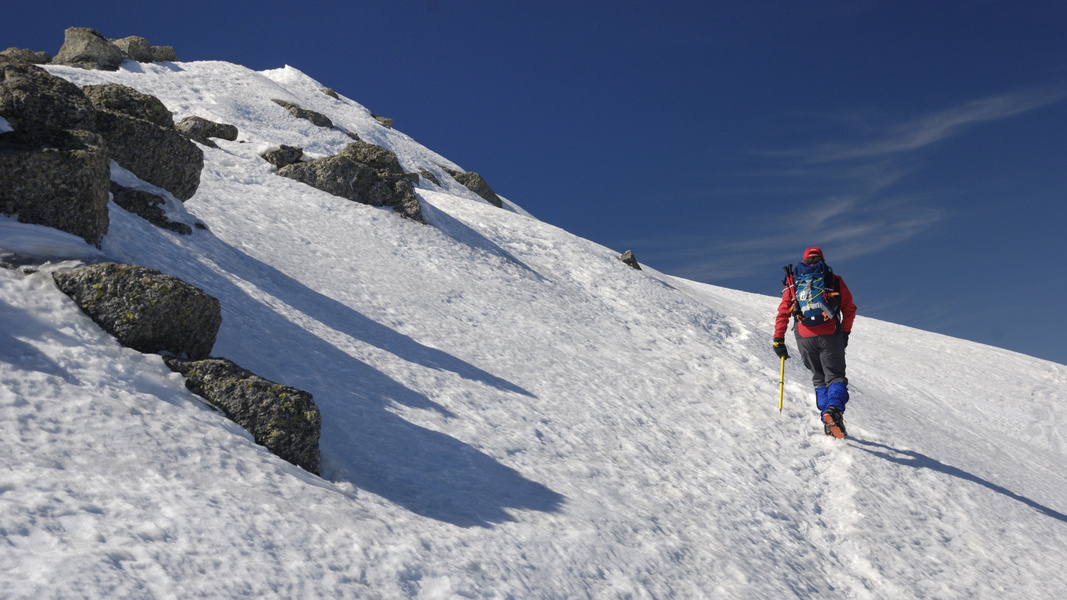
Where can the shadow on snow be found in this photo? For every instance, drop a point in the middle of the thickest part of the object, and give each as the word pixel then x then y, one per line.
pixel 427 472
pixel 914 459
pixel 15 351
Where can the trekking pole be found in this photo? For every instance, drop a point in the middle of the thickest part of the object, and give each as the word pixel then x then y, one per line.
pixel 781 387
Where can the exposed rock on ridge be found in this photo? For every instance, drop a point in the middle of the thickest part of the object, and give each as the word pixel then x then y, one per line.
pixel 156 313
pixel 55 158
pixel 147 206
pixel 87 48
pixel 283 419
pixel 145 309
pixel 283 155
pixel 316 118
pixel 24 56
pixel 141 137
pixel 55 167
pixel 628 258
pixel 475 183
pixel 202 130
pixel 32 97
pixel 363 173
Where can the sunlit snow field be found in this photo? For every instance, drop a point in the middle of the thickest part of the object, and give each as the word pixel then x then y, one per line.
pixel 508 410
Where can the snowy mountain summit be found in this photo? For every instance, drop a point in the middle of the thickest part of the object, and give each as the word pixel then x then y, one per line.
pixel 508 411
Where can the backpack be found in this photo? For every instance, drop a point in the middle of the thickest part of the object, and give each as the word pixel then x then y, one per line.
pixel 816 299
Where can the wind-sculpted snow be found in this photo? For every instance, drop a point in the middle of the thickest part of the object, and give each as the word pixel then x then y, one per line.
pixel 508 411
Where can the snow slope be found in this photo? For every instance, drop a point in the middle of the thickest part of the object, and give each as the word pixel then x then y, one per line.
pixel 508 411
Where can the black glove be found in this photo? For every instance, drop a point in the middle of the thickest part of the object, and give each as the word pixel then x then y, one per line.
pixel 846 338
pixel 779 348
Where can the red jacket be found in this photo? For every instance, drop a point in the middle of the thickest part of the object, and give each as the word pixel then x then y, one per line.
pixel 785 310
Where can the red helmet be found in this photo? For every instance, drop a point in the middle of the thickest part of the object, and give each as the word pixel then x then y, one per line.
pixel 812 252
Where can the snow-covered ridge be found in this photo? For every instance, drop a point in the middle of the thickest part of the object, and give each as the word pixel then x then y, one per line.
pixel 508 411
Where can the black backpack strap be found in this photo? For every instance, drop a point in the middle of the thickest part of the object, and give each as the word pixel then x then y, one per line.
pixel 790 283
pixel 835 290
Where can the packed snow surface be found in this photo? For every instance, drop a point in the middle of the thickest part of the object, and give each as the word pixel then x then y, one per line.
pixel 508 410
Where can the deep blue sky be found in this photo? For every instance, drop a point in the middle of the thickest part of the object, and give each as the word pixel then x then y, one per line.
pixel 922 144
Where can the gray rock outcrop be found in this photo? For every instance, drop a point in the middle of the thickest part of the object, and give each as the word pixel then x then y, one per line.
pixel 163 53
pixel 147 206
pixel 429 176
pixel 283 419
pixel 31 96
pixel 141 137
pixel 56 160
pixel 24 56
pixel 316 118
pixel 56 178
pixel 475 183
pixel 202 130
pixel 283 156
pixel 135 47
pixel 364 173
pixel 628 258
pixel 86 48
pixel 125 100
pixel 385 121
pixel 55 170
pixel 145 309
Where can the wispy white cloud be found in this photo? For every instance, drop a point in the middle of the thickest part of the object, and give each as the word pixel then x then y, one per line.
pixel 931 128
pixel 848 197
pixel 846 227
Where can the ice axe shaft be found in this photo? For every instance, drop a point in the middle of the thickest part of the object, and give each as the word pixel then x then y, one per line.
pixel 781 386
pixel 788 282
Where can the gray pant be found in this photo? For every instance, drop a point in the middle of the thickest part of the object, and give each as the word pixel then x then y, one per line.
pixel 824 356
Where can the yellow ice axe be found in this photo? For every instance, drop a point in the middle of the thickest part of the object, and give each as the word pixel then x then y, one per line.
pixel 781 386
